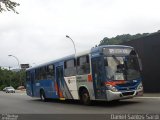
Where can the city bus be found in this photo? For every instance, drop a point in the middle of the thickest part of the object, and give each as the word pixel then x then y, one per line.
pixel 105 73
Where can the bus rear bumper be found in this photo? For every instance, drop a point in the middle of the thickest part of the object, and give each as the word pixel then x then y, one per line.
pixel 122 95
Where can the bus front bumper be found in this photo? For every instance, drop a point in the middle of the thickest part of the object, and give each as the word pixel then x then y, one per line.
pixel 122 95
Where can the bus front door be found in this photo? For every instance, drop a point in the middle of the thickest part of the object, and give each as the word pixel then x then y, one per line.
pixel 98 76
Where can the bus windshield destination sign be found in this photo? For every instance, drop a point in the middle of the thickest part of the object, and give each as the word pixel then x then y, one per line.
pixel 116 51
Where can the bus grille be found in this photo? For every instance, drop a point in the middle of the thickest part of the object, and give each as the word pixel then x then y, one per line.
pixel 127 93
pixel 127 86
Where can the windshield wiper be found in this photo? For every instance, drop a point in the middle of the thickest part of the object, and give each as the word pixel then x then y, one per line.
pixel 116 60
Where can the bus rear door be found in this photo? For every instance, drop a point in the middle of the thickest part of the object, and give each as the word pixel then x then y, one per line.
pixel 59 79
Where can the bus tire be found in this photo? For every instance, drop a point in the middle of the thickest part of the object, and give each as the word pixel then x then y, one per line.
pixel 43 96
pixel 85 98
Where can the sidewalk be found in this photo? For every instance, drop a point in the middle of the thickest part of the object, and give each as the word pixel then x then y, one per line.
pixel 151 95
pixel 20 91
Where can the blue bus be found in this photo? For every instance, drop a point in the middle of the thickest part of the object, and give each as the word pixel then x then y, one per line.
pixel 106 73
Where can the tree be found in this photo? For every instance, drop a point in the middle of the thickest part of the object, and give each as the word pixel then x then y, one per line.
pixel 121 38
pixel 8 5
pixel 9 77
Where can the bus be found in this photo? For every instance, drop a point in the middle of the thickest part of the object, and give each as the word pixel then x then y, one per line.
pixel 105 73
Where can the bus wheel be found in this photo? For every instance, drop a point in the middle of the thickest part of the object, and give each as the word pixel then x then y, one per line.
pixel 43 96
pixel 85 98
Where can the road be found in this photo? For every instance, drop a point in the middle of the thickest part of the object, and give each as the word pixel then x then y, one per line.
pixel 20 103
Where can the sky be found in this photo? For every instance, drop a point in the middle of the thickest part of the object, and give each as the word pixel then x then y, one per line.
pixel 38 33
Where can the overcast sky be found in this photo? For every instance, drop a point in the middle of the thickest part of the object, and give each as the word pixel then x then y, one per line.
pixel 37 34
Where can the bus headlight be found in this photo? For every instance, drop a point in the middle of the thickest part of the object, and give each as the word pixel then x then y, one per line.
pixel 112 88
pixel 140 87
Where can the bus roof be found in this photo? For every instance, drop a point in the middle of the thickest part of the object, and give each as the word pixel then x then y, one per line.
pixel 51 62
pixel 94 49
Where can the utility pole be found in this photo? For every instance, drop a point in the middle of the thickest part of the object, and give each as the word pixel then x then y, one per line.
pixel 9 77
pixel 19 67
pixel 74 50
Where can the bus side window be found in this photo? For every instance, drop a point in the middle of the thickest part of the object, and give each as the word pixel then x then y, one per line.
pixel 50 72
pixel 70 68
pixel 83 65
pixel 42 73
pixel 28 76
pixel 37 76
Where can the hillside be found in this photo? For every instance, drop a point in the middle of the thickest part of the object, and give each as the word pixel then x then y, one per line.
pixel 123 38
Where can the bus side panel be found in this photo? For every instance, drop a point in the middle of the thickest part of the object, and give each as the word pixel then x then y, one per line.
pixel 82 81
pixel 48 87
pixel 71 87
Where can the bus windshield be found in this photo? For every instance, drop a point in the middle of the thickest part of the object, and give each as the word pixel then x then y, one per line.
pixel 122 68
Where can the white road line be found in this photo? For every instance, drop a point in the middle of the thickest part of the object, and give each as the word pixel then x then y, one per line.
pixel 149 97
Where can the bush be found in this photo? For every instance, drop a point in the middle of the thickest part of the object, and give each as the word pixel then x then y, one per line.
pixel 2 87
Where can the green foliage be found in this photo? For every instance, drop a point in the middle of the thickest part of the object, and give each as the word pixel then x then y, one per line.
pixel 2 87
pixel 8 77
pixel 121 38
pixel 8 5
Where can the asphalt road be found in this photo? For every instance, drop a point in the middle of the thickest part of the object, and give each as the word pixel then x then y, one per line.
pixel 20 103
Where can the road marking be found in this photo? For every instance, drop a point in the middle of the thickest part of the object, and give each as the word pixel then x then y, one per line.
pixel 149 97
